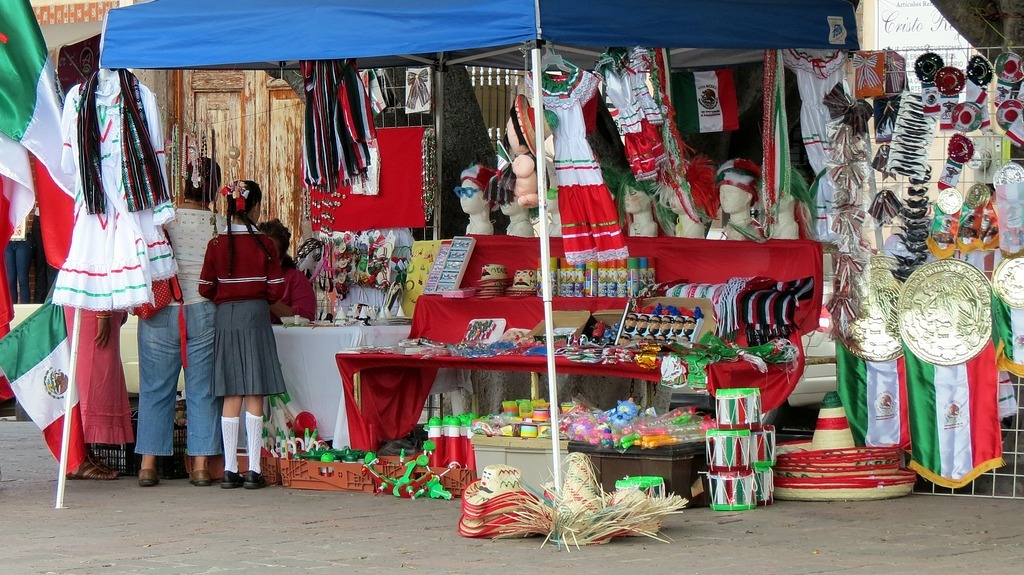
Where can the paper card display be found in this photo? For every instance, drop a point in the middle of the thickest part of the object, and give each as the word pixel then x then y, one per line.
pixel 450 265
pixel 434 277
pixel 484 330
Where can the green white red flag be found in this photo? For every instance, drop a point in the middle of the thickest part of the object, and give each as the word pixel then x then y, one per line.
pixel 35 357
pixel 954 418
pixel 1008 334
pixel 705 101
pixel 30 113
pixel 874 394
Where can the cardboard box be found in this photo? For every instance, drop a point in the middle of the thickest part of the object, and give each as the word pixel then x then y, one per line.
pixel 707 325
pixel 531 456
pixel 575 320
pixel 683 467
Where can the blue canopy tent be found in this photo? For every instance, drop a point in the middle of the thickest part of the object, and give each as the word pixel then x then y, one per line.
pixel 259 34
pixel 262 34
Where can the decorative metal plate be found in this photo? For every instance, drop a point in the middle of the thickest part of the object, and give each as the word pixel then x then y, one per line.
pixel 977 196
pixel 875 334
pixel 945 312
pixel 1008 173
pixel 1008 281
pixel 950 201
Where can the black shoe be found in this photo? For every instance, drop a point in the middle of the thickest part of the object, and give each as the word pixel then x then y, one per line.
pixel 254 480
pixel 231 480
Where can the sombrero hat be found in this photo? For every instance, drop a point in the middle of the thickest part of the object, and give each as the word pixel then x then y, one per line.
pixel 831 468
pixel 833 429
pixel 524 124
pixel 489 504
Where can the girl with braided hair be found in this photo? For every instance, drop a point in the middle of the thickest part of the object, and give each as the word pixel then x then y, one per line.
pixel 242 275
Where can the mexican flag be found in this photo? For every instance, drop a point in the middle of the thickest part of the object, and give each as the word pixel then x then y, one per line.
pixel 705 101
pixel 1008 333
pixel 874 394
pixel 35 357
pixel 954 418
pixel 30 113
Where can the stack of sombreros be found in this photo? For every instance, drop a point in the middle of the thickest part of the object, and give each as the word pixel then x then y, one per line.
pixel 493 281
pixel 831 468
pixel 489 504
pixel 524 284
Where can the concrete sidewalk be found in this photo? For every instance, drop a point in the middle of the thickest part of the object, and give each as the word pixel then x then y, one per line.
pixel 118 527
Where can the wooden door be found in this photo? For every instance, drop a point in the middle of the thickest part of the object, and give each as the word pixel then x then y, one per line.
pixel 261 118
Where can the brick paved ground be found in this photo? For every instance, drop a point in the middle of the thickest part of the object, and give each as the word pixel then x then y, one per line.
pixel 118 527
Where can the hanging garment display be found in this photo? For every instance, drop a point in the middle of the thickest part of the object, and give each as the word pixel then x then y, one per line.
pixel 113 143
pixel 590 220
pixel 625 74
pixel 338 124
pixel 817 72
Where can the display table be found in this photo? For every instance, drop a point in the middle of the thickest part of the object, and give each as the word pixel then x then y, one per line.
pixel 393 388
pixel 311 374
pixel 384 393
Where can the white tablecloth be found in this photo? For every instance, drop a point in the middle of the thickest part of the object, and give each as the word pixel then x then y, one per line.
pixel 311 373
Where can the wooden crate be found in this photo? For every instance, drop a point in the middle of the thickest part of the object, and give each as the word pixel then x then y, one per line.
pixel 455 481
pixel 317 475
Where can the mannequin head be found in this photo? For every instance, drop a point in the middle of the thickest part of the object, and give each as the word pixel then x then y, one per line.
pixel 471 191
pixel 735 200
pixel 737 182
pixel 636 201
pixel 512 209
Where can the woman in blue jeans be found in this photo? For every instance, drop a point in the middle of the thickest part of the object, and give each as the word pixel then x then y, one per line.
pixel 162 355
pixel 18 256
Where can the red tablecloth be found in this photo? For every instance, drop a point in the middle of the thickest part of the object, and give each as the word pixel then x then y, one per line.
pixel 395 387
pixel 694 261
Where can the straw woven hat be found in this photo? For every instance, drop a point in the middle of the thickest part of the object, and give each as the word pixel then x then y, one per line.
pixel 831 468
pixel 833 429
pixel 488 505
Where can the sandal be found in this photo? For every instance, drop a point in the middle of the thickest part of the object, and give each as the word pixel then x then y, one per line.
pixel 89 470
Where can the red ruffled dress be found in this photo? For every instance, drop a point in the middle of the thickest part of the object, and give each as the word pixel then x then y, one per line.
pixel 590 218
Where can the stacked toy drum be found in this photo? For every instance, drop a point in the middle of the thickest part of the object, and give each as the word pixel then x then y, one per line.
pixel 740 452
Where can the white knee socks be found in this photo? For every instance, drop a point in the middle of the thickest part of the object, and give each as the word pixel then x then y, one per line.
pixel 229 432
pixel 254 440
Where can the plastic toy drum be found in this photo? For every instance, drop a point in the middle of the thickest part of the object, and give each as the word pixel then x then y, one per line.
pixel 732 491
pixel 738 408
pixel 762 445
pixel 764 484
pixel 728 449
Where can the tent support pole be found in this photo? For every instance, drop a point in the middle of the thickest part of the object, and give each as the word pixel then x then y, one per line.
pixel 69 394
pixel 545 265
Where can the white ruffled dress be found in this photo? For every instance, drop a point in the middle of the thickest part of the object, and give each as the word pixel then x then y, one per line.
pixel 115 256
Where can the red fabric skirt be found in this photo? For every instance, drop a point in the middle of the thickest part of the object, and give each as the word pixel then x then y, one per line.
pixel 645 151
pixel 590 224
